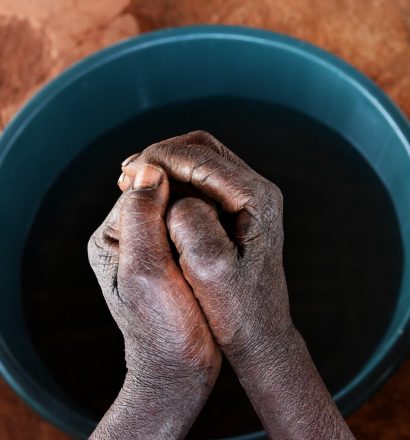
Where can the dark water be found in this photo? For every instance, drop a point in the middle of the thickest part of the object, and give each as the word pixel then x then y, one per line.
pixel 342 251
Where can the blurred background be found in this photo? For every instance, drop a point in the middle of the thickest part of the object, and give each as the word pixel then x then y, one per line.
pixel 40 38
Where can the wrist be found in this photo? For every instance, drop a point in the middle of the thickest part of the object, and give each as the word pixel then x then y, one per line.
pixel 287 392
pixel 155 407
pixel 169 386
pixel 266 352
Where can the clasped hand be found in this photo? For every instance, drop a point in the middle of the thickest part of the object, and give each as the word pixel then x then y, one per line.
pixel 226 292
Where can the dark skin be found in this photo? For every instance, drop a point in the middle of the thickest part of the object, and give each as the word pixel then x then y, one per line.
pixel 172 360
pixel 236 275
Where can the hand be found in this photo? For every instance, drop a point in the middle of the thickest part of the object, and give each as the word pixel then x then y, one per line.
pixel 172 360
pixel 234 277
pixel 237 275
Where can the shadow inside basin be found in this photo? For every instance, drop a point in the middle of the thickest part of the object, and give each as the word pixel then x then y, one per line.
pixel 343 255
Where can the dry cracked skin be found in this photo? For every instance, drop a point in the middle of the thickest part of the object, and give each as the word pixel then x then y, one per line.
pixel 228 294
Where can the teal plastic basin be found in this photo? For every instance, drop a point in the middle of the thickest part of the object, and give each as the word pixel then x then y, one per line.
pixel 172 66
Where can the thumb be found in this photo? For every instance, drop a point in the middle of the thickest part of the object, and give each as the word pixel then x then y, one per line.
pixel 206 252
pixel 143 245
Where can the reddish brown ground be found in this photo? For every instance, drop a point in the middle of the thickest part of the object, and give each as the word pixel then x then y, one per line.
pixel 39 38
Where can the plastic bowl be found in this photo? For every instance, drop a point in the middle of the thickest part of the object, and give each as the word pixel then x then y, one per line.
pixel 171 66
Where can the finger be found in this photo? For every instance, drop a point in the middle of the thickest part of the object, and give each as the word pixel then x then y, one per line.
pixel 147 272
pixel 103 248
pixel 222 180
pixel 178 190
pixel 199 137
pixel 202 137
pixel 129 159
pixel 144 248
pixel 124 182
pixel 256 201
pixel 106 236
pixel 238 189
pixel 205 249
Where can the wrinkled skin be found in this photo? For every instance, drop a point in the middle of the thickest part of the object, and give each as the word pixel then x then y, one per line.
pixel 172 360
pixel 234 280
pixel 237 276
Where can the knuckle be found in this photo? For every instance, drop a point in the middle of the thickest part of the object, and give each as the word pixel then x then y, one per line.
pixel 212 269
pixel 199 136
pixel 267 206
pixel 187 211
pixel 277 195
pixel 272 189
pixel 102 257
pixel 273 196
pixel 204 167
pixel 203 134
pixel 95 245
pixel 164 149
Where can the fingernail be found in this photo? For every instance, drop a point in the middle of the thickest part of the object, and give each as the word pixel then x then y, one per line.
pixel 121 178
pixel 148 177
pixel 128 160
